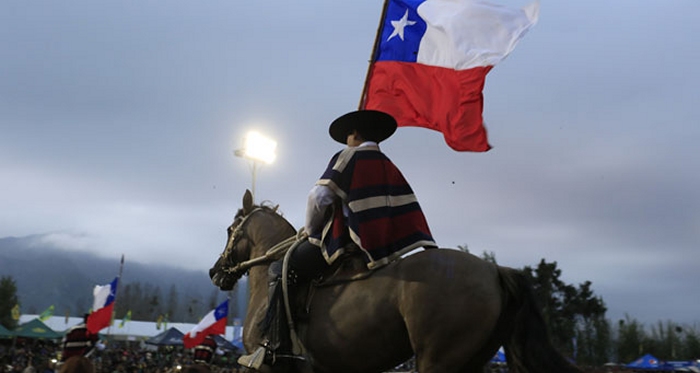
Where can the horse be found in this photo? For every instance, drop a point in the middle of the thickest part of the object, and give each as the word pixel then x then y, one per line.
pixel 449 309
pixel 77 364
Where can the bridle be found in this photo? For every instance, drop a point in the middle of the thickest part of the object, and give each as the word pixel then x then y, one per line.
pixel 235 237
pixel 272 254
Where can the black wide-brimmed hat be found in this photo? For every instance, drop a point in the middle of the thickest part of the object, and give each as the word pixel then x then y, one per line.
pixel 374 125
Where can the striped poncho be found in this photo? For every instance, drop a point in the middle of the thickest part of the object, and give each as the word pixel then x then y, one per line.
pixel 382 215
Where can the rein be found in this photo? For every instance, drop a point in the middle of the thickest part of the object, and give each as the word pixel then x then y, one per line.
pixel 272 254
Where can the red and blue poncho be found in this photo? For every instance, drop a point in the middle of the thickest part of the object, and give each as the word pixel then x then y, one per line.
pixel 382 215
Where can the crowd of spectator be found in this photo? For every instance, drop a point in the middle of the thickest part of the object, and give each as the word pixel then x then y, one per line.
pixel 41 356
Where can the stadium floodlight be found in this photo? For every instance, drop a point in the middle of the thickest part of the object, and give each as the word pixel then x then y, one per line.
pixel 257 148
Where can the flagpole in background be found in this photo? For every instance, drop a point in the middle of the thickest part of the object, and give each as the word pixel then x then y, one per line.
pixel 116 295
pixel 375 51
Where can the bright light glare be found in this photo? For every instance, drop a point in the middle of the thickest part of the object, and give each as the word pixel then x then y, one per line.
pixel 259 147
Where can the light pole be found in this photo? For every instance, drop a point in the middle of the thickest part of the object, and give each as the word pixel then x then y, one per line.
pixel 259 149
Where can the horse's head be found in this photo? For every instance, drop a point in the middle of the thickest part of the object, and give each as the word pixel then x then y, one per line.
pixel 254 230
pixel 226 271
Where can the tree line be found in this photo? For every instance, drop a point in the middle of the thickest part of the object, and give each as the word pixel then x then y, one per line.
pixel 577 324
pixel 578 327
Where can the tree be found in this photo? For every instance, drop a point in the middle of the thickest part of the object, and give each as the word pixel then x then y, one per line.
pixel 691 344
pixel 193 311
pixel 155 308
pixel 81 306
pixel 138 303
pixel 665 340
pixel 124 301
pixel 489 256
pixel 574 315
pixel 214 298
pixel 630 339
pixel 8 300
pixel 173 299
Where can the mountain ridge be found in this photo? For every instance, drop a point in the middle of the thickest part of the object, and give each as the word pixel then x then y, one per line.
pixel 46 275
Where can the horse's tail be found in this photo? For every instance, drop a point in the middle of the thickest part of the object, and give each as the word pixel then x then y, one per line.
pixel 526 342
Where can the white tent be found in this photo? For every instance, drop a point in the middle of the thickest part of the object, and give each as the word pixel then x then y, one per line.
pixel 132 330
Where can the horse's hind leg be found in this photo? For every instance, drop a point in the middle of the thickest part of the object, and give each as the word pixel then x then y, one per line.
pixel 450 317
pixel 458 341
pixel 478 363
pixel 456 360
pixel 463 342
pixel 458 347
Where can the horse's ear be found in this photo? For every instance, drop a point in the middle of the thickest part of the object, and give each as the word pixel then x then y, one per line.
pixel 247 202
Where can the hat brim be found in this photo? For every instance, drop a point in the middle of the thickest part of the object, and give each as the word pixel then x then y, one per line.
pixel 374 125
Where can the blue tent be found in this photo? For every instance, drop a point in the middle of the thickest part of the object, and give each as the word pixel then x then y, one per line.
pixel 223 343
pixel 500 357
pixel 170 337
pixel 648 362
pixel 683 366
pixel 238 343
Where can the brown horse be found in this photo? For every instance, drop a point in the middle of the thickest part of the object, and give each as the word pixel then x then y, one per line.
pixel 450 309
pixel 77 364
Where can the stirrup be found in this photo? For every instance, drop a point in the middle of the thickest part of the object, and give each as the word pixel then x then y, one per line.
pixel 254 360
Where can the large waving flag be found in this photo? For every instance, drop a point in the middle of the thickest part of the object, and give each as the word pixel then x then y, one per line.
pixel 213 323
pixel 103 306
pixel 431 60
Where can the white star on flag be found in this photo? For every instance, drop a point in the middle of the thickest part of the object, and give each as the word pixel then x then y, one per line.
pixel 400 25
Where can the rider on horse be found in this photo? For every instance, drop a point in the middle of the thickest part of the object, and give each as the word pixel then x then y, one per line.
pixel 78 341
pixel 363 201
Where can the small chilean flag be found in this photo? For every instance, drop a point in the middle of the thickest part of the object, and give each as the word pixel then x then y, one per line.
pixel 103 306
pixel 431 61
pixel 213 323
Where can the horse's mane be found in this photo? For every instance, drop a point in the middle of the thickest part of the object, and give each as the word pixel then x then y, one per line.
pixel 265 205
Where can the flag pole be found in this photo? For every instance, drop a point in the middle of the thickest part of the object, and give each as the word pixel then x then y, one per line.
pixel 375 52
pixel 116 295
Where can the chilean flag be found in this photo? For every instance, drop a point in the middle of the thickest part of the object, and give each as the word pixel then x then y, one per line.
pixel 213 323
pixel 431 62
pixel 103 306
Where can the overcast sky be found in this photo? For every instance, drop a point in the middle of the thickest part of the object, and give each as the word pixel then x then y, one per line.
pixel 118 122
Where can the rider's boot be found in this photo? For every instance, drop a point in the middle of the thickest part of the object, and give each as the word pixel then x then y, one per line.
pixel 254 360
